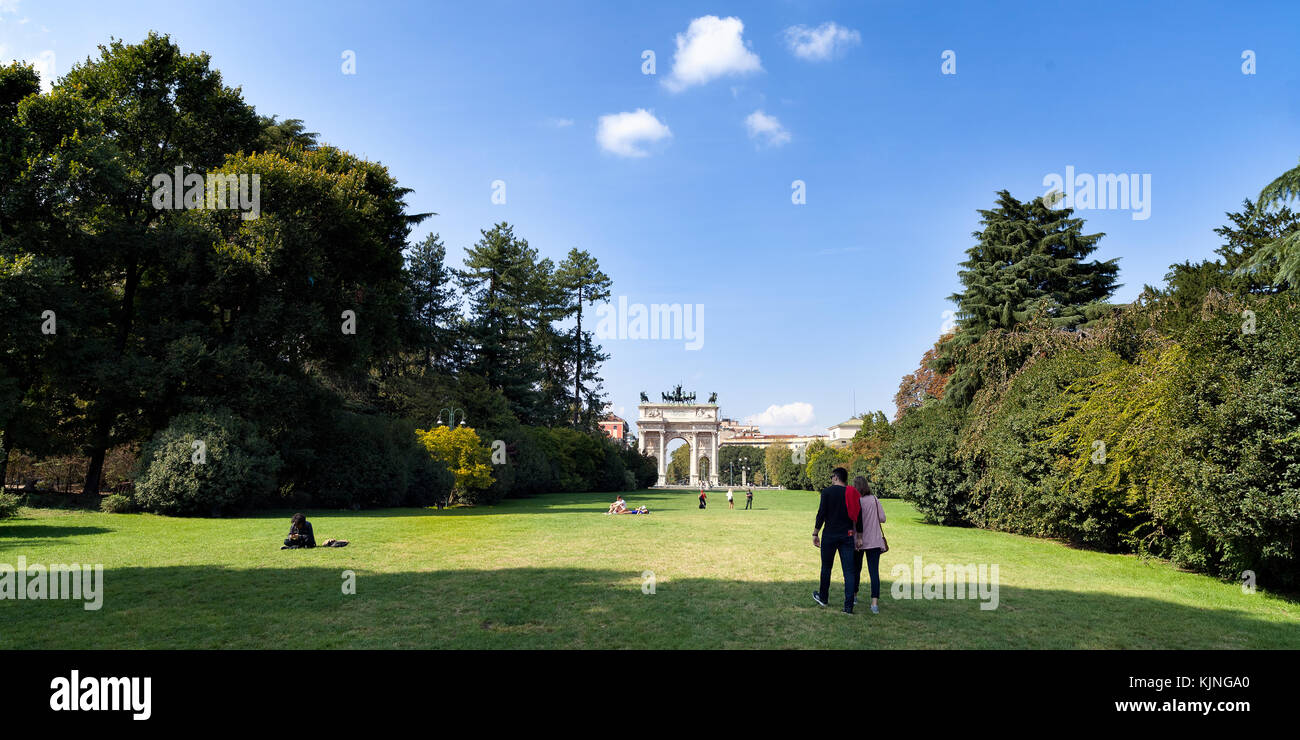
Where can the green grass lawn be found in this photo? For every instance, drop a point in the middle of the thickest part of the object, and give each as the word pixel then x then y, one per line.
pixel 555 572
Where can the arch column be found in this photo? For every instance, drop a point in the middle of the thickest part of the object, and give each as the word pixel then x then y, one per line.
pixel 695 459
pixel 663 458
pixel 713 459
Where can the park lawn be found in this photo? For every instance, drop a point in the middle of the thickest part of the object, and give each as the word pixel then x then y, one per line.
pixel 555 572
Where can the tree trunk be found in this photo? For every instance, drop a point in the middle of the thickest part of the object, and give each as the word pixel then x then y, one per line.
pixel 4 459
pixel 104 425
pixel 577 374
pixel 95 468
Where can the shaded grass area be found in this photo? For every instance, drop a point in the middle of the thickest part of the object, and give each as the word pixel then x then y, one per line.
pixel 555 572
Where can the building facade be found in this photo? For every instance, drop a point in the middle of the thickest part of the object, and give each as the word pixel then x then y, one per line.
pixel 615 427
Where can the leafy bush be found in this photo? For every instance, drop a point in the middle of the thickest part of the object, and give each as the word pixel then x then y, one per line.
pixel 580 457
pixel 644 468
pixel 430 483
pixel 363 461
pixel 533 462
pixel 463 453
pixel 820 465
pixel 1234 501
pixel 1200 427
pixel 9 505
pixel 1112 439
pixel 117 504
pixel 237 469
pixel 867 468
pixel 921 464
pixel 1003 447
pixel 612 476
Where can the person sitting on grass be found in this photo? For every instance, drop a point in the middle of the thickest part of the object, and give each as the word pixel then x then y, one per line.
pixel 300 534
pixel 618 507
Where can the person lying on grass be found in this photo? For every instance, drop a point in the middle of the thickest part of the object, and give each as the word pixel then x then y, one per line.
pixel 642 510
pixel 301 535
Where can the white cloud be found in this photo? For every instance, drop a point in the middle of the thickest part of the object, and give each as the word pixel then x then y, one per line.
pixel 9 6
pixel 44 64
pixel 821 43
pixel 625 134
pixel 712 47
pixel 797 414
pixel 766 129
pixel 560 122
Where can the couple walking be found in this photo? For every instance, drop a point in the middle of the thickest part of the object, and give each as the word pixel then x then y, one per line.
pixel 852 517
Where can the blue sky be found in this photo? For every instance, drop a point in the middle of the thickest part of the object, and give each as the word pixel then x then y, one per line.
pixel 805 306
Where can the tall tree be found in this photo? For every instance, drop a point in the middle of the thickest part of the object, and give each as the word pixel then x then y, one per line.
pixel 512 301
pixel 435 304
pixel 1029 260
pixel 102 135
pixel 923 383
pixel 280 136
pixel 580 280
pixel 1281 255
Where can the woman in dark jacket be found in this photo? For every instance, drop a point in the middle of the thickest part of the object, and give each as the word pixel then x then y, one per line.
pixel 300 534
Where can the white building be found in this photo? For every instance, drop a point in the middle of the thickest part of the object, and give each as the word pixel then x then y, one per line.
pixel 840 435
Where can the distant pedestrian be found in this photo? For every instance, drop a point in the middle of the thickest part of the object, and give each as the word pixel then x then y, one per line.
pixel 749 499
pixel 703 499
pixel 731 501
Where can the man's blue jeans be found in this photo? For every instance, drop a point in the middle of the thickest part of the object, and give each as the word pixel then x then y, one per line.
pixel 843 544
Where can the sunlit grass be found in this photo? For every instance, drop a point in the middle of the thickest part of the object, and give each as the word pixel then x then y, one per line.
pixel 555 572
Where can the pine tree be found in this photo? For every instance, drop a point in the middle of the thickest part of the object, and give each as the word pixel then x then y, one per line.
pixel 1279 258
pixel 513 301
pixel 1028 262
pixel 435 305
pixel 580 280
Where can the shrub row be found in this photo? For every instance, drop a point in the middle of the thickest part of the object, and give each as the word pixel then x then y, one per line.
pixel 1183 445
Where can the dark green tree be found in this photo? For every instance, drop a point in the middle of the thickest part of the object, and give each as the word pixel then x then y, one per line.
pixel 97 141
pixel 580 281
pixel 435 304
pixel 1028 261
pixel 1279 259
pixel 1245 235
pixel 513 302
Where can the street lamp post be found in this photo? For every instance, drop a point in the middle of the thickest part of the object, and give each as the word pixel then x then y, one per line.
pixel 744 470
pixel 451 416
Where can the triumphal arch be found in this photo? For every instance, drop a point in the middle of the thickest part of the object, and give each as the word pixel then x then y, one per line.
pixel 678 416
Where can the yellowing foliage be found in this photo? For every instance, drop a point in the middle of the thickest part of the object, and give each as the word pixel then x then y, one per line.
pixel 461 450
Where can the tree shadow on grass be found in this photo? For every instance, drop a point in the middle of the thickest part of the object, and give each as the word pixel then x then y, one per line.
pixel 12 535
pixel 304 606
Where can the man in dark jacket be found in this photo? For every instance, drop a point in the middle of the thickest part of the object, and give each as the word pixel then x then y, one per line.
pixel 300 534
pixel 839 512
